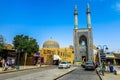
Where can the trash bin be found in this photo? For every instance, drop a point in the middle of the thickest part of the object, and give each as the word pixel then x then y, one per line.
pixel 111 68
pixel 17 67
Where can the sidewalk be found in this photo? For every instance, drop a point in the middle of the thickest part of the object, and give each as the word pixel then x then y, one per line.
pixel 21 68
pixel 110 76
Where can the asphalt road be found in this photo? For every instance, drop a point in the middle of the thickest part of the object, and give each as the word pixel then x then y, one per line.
pixel 81 74
pixel 25 72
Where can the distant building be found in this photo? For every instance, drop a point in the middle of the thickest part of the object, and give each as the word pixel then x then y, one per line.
pixel 51 52
pixel 8 51
pixel 113 58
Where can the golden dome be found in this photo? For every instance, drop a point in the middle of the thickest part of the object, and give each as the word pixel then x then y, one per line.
pixel 50 44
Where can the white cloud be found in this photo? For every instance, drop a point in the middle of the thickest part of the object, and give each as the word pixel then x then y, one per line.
pixel 117 6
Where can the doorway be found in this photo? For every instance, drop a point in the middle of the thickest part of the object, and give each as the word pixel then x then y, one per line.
pixel 83 48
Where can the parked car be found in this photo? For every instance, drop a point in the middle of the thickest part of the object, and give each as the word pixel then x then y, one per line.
pixel 89 65
pixel 69 64
pixel 64 65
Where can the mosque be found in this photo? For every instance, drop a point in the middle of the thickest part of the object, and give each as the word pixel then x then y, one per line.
pixel 52 53
pixel 83 44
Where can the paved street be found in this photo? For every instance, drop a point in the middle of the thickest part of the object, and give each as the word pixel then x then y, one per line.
pixel 12 75
pixel 81 74
pixel 53 73
pixel 47 73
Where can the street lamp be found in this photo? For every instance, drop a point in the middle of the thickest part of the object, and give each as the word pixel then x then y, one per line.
pixel 101 53
pixel 102 49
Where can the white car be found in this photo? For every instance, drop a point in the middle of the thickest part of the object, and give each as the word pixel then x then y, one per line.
pixel 64 65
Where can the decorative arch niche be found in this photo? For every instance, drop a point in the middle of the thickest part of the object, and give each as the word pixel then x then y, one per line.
pixel 83 47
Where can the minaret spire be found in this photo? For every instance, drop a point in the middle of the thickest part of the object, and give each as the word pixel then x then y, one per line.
pixel 75 17
pixel 88 16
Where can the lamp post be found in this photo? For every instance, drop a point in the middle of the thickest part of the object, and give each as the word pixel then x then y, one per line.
pixel 18 57
pixel 101 53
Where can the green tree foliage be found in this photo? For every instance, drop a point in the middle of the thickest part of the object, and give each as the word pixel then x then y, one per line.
pixel 2 44
pixel 27 44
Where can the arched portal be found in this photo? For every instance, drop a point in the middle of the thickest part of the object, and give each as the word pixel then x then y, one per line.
pixel 83 47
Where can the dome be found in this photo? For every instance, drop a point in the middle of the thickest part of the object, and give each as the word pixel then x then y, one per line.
pixel 50 44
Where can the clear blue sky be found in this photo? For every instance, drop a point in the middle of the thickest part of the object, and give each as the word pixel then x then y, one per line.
pixel 42 19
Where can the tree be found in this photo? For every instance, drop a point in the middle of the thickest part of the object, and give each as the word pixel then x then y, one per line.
pixel 2 43
pixel 25 43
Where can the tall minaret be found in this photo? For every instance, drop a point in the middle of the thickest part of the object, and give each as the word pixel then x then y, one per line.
pixel 90 38
pixel 75 17
pixel 88 16
pixel 75 33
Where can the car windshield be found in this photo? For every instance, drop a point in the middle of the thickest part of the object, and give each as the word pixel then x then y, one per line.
pixel 89 63
pixel 63 62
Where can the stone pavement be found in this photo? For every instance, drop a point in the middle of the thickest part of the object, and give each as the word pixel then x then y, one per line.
pixel 111 76
pixel 51 74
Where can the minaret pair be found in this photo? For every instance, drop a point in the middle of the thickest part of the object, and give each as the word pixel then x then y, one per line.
pixel 76 17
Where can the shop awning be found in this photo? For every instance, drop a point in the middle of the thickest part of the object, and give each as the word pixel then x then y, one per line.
pixel 56 57
pixel 110 56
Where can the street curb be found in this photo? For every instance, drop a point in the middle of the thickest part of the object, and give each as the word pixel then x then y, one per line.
pixel 19 70
pixel 64 74
pixel 98 74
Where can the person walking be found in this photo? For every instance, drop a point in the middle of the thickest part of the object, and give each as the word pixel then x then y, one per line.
pixel 3 63
pixel 6 66
pixel 103 68
pixel 13 62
